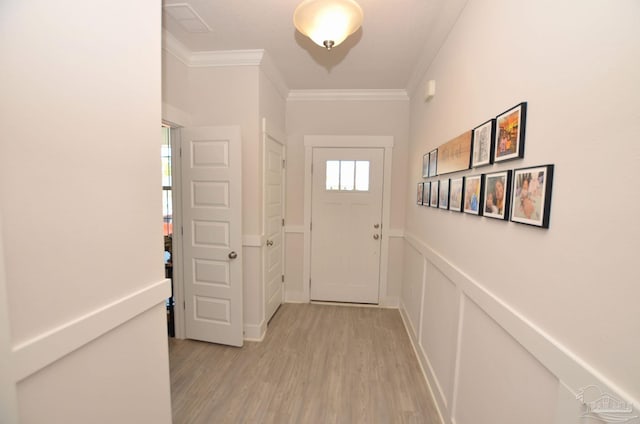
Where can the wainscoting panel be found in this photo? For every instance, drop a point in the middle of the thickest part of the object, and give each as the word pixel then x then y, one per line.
pixel 484 362
pixel 439 329
pixel 499 381
pixel 413 285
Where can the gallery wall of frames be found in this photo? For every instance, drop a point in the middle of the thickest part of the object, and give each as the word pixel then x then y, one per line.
pixel 522 195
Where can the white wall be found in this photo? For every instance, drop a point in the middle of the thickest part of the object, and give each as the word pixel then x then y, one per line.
pixel 342 115
pixel 562 303
pixel 81 209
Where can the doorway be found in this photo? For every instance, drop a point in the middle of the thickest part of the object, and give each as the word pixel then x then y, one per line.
pixel 167 221
pixel 372 246
pixel 346 218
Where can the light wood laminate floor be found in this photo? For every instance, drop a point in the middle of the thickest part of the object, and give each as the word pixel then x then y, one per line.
pixel 317 364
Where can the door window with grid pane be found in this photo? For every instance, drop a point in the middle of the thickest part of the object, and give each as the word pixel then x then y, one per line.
pixel 347 175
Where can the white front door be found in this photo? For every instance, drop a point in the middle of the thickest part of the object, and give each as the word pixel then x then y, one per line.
pixel 212 234
pixel 346 219
pixel 274 212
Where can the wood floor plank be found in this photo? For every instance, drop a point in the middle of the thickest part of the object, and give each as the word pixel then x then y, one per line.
pixel 317 364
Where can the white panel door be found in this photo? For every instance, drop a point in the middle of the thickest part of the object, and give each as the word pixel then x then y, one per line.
pixel 212 234
pixel 346 219
pixel 274 211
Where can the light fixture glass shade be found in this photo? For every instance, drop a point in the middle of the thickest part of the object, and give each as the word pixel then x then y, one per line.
pixel 328 22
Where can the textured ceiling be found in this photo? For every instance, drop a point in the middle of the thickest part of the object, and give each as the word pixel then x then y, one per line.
pixel 397 38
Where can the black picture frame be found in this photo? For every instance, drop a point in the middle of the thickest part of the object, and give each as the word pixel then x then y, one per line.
pixel 425 165
pixel 531 195
pixel 456 194
pixel 443 194
pixel 419 194
pixel 425 193
pixel 482 144
pixel 510 134
pixel 497 195
pixel 472 199
pixel 433 194
pixel 433 163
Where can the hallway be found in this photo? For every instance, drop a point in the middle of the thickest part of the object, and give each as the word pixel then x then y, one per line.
pixel 317 364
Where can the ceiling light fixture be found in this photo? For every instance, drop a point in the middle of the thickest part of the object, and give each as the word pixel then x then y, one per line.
pixel 328 22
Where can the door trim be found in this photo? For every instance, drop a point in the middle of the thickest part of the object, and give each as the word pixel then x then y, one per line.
pixel 348 141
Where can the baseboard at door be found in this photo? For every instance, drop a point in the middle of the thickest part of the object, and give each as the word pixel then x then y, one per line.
pixel 295 297
pixel 256 332
pixel 390 302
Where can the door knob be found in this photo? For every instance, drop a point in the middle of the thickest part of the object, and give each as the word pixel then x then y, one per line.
pixel 233 255
pixel 269 242
pixel 376 225
pixel 376 236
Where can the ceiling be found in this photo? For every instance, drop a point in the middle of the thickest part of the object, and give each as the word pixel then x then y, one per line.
pixel 396 43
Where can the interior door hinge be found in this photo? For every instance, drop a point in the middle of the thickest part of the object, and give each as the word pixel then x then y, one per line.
pixel 283 222
pixel 310 226
pixel 283 164
pixel 283 278
pixel 181 230
pixel 184 304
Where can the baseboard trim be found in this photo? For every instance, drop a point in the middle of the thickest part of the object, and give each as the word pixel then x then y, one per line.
pixel 295 297
pixel 36 353
pixel 255 333
pixel 391 302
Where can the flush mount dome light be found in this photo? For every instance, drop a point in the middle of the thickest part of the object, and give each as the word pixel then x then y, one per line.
pixel 328 22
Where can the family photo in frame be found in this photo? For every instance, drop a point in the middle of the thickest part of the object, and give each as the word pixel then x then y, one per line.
pixel 455 194
pixel 509 134
pixel 425 165
pixel 483 137
pixel 443 202
pixel 433 163
pixel 473 194
pixel 531 199
pixel 495 202
pixel 433 196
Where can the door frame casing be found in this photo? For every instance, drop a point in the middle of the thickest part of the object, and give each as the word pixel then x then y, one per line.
pixel 355 142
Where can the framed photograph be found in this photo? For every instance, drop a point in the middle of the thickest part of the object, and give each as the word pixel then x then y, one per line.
pixel 531 200
pixel 483 137
pixel 433 197
pixel 509 138
pixel 433 163
pixel 419 194
pixel 473 194
pixel 455 155
pixel 425 165
pixel 455 194
pixel 443 196
pixel 497 193
pixel 426 191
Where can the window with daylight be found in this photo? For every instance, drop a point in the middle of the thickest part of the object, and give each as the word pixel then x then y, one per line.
pixel 347 175
pixel 165 154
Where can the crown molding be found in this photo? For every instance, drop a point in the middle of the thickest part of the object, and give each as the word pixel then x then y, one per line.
pixel 211 58
pixel 351 95
pixel 171 45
